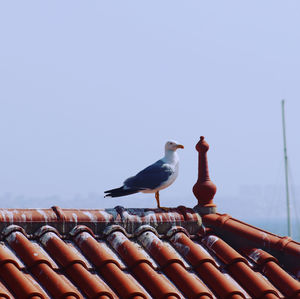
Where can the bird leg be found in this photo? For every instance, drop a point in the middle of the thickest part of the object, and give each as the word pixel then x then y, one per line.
pixel 157 200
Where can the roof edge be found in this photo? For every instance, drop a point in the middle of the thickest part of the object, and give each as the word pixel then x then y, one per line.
pixel 285 249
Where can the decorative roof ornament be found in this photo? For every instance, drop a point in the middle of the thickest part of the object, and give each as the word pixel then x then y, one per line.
pixel 204 189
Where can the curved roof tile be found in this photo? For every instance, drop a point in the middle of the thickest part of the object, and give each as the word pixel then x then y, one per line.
pixel 142 253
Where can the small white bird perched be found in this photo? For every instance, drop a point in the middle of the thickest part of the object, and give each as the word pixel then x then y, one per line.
pixel 154 178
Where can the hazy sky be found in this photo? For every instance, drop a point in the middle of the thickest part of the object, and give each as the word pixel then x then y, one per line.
pixel 90 92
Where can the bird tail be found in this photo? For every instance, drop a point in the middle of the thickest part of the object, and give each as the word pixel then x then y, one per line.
pixel 119 192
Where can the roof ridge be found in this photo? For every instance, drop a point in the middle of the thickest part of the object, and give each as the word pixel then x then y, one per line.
pixel 130 219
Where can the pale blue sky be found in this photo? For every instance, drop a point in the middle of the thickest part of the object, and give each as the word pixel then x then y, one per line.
pixel 90 92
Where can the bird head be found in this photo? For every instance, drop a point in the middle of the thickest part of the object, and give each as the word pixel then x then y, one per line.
pixel 172 145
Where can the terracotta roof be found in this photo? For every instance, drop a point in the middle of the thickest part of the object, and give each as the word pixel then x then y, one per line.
pixel 142 253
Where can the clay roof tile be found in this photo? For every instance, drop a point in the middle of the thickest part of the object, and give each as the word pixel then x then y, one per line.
pixel 142 253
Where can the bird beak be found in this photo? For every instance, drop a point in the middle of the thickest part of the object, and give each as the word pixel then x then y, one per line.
pixel 180 146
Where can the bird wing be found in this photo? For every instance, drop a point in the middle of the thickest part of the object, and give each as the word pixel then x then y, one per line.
pixel 151 177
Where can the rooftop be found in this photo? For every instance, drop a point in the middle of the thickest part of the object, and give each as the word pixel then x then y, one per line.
pixel 144 253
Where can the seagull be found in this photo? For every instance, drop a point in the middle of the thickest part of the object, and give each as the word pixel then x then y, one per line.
pixel 153 178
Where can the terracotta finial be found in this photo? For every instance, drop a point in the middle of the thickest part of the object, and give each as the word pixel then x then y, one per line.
pixel 204 189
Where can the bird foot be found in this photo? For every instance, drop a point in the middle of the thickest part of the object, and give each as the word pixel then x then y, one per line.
pixel 158 204
pixel 165 209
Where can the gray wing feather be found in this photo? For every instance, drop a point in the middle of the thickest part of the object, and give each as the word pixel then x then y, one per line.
pixel 151 177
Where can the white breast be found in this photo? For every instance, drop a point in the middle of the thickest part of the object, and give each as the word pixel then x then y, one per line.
pixel 170 180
